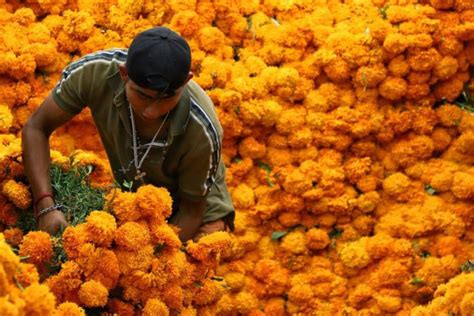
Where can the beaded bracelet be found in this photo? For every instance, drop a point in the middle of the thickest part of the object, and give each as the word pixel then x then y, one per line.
pixel 55 207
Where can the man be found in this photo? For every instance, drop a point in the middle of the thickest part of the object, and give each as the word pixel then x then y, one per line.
pixel 156 124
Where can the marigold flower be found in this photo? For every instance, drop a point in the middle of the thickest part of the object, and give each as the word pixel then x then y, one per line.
pixel 207 292
pixel 13 236
pixel 37 246
pixel 100 228
pixel 38 300
pixel 69 309
pixel 317 239
pixel 27 274
pixel 135 260
pixel 93 294
pixel 155 307
pixel 132 236
pixel 18 193
pixel 154 203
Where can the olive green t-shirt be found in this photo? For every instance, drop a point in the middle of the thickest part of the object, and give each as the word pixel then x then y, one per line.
pixel 187 161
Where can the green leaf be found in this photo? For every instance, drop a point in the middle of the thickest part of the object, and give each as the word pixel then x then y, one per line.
pixel 383 12
pixel 158 249
pixel 430 190
pixel 425 254
pixel 468 266
pixel 416 281
pixel 264 166
pixel 335 232
pixel 276 235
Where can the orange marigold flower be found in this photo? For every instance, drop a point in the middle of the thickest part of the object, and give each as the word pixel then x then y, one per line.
pixel 18 193
pixel 124 205
pixel 154 307
pixel 135 260
pixel 164 234
pixel 6 118
pixel 73 238
pixel 69 309
pixel 100 228
pixel 207 292
pixel 13 236
pixel 317 239
pixel 66 283
pixel 99 264
pixel 9 308
pixel 132 236
pixel 37 246
pixel 393 88
pixel 154 202
pixel 38 300
pixel 93 294
pixel 27 274
pixel 119 307
pixel 209 246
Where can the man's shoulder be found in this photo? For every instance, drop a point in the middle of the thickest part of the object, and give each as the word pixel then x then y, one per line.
pixel 102 63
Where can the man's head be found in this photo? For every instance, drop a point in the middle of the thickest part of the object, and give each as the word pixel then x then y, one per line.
pixel 158 66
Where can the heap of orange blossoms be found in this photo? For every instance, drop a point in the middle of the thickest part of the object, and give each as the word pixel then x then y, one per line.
pixel 348 145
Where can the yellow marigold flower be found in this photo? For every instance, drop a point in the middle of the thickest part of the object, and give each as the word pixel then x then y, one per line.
pixel 294 242
pixel 354 254
pixel 211 39
pixel 132 236
pixel 243 197
pixel 37 246
pixel 18 193
pixel 100 228
pixel 396 184
pixel 69 309
pixel 6 118
pixel 154 306
pixel 9 308
pixel 154 203
pixel 235 280
pixel 27 274
pixel 38 300
pixel 13 236
pixel 93 294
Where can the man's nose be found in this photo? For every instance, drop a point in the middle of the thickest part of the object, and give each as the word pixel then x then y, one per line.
pixel 152 111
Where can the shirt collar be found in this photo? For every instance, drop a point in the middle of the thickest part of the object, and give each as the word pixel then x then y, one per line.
pixel 179 117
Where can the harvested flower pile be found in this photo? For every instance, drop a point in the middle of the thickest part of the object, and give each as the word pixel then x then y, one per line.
pixel 349 146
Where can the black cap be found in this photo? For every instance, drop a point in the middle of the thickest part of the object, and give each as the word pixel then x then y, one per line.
pixel 159 59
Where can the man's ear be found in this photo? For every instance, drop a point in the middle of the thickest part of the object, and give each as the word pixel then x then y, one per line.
pixel 190 76
pixel 123 72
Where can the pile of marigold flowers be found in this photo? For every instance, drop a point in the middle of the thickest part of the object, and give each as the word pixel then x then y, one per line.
pixel 349 136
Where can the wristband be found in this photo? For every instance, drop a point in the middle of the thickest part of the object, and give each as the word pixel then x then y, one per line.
pixel 40 197
pixel 55 207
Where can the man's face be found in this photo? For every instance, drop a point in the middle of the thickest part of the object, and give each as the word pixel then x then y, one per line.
pixel 148 104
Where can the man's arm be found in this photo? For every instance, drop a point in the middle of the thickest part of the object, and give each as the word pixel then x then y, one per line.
pixel 189 217
pixel 36 158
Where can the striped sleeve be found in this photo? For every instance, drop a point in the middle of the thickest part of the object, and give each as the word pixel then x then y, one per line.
pixel 198 168
pixel 73 90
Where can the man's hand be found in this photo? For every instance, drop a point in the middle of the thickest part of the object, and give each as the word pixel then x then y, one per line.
pixel 52 222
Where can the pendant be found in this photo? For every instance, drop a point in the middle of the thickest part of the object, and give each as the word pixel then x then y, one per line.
pixel 140 175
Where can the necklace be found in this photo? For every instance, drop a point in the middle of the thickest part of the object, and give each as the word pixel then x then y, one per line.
pixel 139 162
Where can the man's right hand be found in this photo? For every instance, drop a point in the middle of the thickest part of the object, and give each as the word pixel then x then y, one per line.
pixel 52 222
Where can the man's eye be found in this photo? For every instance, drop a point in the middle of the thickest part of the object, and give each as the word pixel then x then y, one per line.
pixel 144 96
